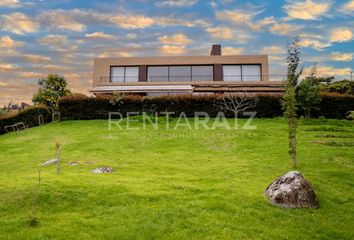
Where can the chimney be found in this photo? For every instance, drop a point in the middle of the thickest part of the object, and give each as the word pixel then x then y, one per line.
pixel 215 50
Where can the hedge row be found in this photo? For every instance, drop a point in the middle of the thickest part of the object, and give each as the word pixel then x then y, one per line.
pixel 28 116
pixel 72 108
pixel 335 105
pixel 75 108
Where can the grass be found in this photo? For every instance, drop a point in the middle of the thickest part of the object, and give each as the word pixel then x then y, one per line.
pixel 199 184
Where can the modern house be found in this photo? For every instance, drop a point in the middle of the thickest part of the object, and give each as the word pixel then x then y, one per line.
pixel 154 76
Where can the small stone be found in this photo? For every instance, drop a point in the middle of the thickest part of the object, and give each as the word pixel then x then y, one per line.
pixel 102 170
pixel 50 162
pixel 74 163
pixel 292 190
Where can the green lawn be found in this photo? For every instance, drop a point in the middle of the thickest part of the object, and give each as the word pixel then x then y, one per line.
pixel 199 184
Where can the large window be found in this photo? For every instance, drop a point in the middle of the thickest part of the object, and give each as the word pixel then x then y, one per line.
pixel 157 74
pixel 232 73
pixel 202 73
pixel 180 73
pixel 124 74
pixel 244 73
pixel 251 73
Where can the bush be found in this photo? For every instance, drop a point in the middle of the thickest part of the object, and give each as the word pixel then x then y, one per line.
pixel 28 116
pixel 344 87
pixel 335 105
pixel 268 106
pixel 72 108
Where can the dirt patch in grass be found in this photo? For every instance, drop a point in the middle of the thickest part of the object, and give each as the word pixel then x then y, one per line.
pixel 334 136
pixel 334 143
pixel 327 129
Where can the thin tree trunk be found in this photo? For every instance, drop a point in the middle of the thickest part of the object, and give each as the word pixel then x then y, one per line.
pixel 58 160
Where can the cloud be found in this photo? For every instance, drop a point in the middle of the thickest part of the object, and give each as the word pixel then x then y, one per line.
pixel 10 3
pixel 313 43
pixel 53 39
pixel 30 75
pixel 273 50
pixel 340 35
pixel 180 21
pixel 172 49
pixel 328 71
pixel 258 25
pixel 7 42
pixel 344 57
pixel 348 7
pixel 237 17
pixel 37 58
pixel 220 32
pixel 283 29
pixel 176 3
pixel 77 19
pixel 99 35
pixel 177 39
pixel 52 67
pixel 18 23
pixel 307 10
pixel 131 22
pixel 232 51
pixel 4 67
pixel 61 20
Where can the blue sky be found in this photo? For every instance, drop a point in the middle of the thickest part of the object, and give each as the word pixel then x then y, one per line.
pixel 38 37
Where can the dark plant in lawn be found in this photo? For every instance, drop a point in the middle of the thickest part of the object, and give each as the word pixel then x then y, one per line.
pixel 289 98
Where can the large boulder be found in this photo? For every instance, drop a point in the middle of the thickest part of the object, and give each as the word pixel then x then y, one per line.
pixel 292 190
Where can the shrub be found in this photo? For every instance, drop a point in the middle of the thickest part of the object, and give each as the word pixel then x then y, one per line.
pixel 343 86
pixel 72 108
pixel 335 105
pixel 308 96
pixel 28 116
pixel 268 106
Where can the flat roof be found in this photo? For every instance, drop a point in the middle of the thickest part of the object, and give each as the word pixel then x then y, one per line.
pixel 183 60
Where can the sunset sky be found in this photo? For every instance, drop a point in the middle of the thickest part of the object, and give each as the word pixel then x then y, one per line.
pixel 38 37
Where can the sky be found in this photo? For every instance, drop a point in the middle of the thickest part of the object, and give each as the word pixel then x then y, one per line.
pixel 38 37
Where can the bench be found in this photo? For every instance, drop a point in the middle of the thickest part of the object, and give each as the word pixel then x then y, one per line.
pixel 20 126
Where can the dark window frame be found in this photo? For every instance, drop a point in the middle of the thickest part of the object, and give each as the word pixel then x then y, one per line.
pixel 245 64
pixel 124 67
pixel 182 65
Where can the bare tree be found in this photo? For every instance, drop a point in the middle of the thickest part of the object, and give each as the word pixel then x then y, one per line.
pixel 238 102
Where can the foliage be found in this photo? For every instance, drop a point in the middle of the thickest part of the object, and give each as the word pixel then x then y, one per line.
pixel 116 98
pixel 98 108
pixel 343 86
pixel 268 106
pixel 350 115
pixel 2 111
pixel 50 90
pixel 335 105
pixel 308 94
pixel 199 184
pixel 28 116
pixel 289 98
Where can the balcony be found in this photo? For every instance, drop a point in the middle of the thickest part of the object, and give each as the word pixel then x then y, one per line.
pixel 229 79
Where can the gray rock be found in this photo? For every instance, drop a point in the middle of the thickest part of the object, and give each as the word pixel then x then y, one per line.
pixel 292 190
pixel 102 170
pixel 50 162
pixel 73 163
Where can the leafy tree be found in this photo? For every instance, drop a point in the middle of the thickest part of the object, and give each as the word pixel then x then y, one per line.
pixel 289 98
pixel 343 87
pixel 308 93
pixel 50 90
